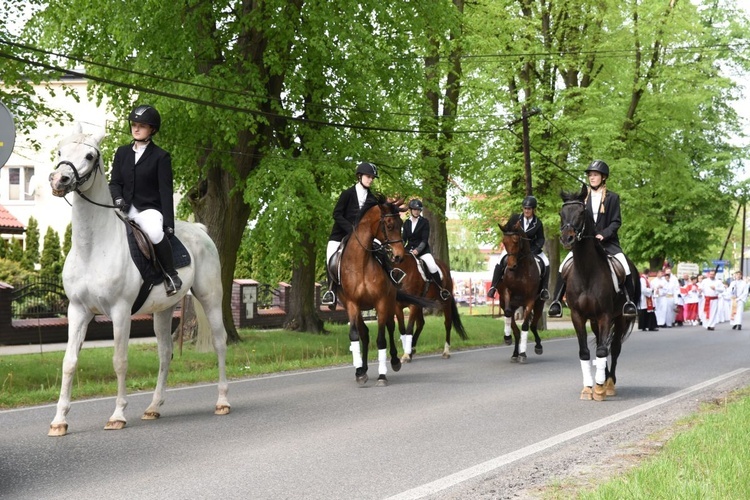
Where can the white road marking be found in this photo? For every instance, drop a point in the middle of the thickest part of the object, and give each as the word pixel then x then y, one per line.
pixel 495 463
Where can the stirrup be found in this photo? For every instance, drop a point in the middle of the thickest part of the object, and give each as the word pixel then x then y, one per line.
pixel 555 309
pixel 544 294
pixel 629 309
pixel 328 299
pixel 444 294
pixel 396 277
pixel 172 284
pixel 491 292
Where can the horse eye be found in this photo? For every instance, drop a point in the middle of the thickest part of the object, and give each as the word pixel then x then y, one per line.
pixel 89 157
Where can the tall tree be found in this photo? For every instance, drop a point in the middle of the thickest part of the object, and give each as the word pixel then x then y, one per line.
pixel 31 252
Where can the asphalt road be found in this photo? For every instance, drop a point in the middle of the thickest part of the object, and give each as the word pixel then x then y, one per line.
pixel 443 428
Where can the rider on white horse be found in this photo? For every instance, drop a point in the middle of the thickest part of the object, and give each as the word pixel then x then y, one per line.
pixel 141 186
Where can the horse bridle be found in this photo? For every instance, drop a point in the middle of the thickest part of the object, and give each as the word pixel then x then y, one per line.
pixel 82 180
pixel 578 233
pixel 518 255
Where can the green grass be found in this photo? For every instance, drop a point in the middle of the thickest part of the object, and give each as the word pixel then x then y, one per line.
pixel 32 379
pixel 708 457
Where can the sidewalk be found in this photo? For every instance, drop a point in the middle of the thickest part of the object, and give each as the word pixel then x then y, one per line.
pixel 87 344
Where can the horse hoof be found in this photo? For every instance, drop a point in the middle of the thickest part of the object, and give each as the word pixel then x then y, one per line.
pixel 508 340
pixel 406 358
pixel 361 376
pixel 538 350
pixel 446 355
pixel 114 425
pixel 151 415
pixel 600 393
pixel 587 394
pixel 57 430
pixel 396 364
pixel 522 358
pixel 222 410
pixel 382 381
pixel 610 388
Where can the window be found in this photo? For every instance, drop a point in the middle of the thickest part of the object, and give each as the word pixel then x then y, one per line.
pixel 19 183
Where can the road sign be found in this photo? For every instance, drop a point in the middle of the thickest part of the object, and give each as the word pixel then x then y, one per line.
pixel 7 134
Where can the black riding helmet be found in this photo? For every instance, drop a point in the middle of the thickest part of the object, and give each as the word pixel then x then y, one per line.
pixel 598 166
pixel 367 168
pixel 415 204
pixel 529 202
pixel 146 114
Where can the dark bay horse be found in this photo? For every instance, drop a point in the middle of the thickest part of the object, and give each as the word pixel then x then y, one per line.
pixel 414 284
pixel 592 295
pixel 365 284
pixel 520 288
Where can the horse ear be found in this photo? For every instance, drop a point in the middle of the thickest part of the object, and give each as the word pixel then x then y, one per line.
pixel 79 128
pixel 98 136
pixel 584 192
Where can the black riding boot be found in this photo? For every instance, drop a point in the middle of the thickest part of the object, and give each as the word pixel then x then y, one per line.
pixel 544 292
pixel 555 309
pixel 163 251
pixel 629 309
pixel 444 293
pixel 497 277
pixel 395 274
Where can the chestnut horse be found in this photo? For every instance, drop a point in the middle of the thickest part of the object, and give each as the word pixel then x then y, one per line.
pixel 365 284
pixel 520 288
pixel 415 284
pixel 592 295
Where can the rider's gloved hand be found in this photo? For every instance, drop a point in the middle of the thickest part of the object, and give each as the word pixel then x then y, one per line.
pixel 120 203
pixel 168 231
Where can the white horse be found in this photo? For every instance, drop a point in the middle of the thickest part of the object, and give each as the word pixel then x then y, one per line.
pixel 100 278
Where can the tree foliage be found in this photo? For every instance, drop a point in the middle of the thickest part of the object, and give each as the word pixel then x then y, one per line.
pixel 52 258
pixel 269 105
pixel 31 252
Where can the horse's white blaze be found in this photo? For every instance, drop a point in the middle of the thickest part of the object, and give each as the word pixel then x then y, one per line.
pixel 100 278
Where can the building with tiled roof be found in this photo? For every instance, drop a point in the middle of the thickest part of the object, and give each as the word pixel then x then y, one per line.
pixel 9 224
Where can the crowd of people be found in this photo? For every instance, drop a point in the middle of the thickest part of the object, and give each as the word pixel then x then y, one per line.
pixel 701 300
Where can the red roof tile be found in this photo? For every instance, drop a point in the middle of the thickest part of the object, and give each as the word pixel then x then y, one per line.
pixel 8 223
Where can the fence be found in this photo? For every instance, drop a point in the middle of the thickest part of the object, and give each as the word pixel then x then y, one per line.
pixel 36 312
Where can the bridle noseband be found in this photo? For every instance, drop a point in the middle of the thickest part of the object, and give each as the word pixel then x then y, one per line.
pixel 82 180
pixel 518 255
pixel 577 232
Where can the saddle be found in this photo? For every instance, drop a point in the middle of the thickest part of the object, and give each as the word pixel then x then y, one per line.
pixel 333 266
pixel 144 257
pixel 422 268
pixel 615 268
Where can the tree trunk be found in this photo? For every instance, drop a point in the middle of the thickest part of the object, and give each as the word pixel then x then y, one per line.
pixel 303 315
pixel 224 213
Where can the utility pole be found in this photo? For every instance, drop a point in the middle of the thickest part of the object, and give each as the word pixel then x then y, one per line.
pixel 526 150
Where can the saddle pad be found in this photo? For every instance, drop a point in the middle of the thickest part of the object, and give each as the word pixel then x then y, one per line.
pixel 149 272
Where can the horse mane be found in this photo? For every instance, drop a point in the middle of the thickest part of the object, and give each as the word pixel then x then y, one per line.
pixel 511 224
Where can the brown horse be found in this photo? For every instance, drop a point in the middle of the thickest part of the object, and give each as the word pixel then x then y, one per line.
pixel 414 284
pixel 593 296
pixel 520 288
pixel 366 285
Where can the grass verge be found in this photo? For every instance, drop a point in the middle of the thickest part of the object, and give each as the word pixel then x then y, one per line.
pixel 32 379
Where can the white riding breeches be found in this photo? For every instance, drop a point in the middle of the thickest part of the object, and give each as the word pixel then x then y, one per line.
pixel 428 259
pixel 619 256
pixel 150 221
pixel 331 249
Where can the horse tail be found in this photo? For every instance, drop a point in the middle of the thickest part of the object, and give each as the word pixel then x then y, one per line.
pixel 414 300
pixel 456 320
pixel 203 336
